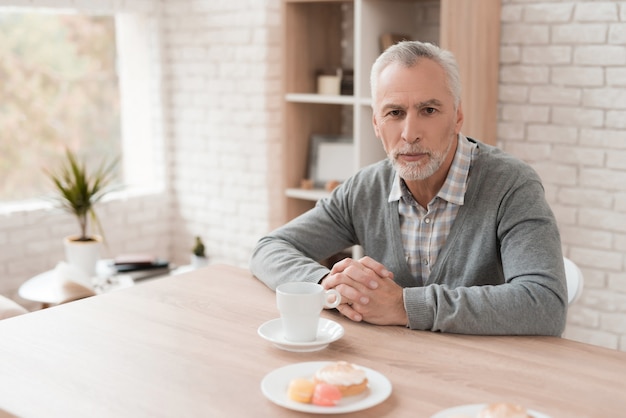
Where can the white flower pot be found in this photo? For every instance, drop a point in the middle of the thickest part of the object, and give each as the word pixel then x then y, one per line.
pixel 198 261
pixel 83 255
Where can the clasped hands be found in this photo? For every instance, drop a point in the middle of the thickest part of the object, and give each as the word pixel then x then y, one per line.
pixel 368 292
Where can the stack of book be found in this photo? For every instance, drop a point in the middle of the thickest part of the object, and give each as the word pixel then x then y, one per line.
pixel 141 266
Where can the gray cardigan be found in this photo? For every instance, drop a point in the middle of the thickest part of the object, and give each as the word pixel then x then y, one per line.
pixel 499 272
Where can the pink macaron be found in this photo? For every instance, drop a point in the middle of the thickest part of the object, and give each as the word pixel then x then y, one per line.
pixel 326 395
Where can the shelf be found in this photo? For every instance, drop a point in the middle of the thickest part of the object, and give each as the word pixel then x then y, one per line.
pixel 319 98
pixel 304 194
pixel 324 35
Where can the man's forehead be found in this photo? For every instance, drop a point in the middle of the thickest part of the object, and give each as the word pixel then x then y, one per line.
pixel 419 82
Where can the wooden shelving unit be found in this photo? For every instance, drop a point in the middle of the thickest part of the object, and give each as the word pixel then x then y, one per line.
pixel 328 34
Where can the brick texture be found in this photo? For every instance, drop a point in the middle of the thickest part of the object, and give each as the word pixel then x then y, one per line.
pixel 577 78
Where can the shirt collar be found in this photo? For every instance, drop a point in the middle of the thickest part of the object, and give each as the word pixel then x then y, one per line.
pixel 453 189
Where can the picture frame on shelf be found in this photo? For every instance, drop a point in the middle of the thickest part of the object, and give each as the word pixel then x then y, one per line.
pixel 330 158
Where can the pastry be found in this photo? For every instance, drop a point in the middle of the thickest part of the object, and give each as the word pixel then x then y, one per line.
pixel 503 410
pixel 349 379
pixel 301 390
pixel 326 395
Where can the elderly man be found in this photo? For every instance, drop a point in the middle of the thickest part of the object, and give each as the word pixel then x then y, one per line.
pixel 457 235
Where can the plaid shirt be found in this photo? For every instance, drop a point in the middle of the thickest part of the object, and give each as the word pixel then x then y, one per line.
pixel 424 231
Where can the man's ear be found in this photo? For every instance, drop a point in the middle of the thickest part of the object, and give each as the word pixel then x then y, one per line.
pixel 375 124
pixel 459 118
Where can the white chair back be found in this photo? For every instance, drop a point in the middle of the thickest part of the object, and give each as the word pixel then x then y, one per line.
pixel 574 280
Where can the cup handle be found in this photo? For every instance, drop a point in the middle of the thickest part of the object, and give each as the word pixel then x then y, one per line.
pixel 337 301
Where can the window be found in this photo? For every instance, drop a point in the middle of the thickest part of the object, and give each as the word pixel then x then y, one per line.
pixel 67 80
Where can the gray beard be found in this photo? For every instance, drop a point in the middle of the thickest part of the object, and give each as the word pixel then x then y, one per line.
pixel 418 170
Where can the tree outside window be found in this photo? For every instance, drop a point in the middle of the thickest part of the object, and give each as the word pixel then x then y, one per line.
pixel 58 87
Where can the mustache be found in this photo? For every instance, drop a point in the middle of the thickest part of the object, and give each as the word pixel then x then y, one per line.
pixel 412 149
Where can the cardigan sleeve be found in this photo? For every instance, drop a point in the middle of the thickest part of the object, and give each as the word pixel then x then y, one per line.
pixel 294 251
pixel 503 274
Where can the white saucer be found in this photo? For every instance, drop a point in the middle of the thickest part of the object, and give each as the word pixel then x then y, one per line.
pixel 327 332
pixel 473 410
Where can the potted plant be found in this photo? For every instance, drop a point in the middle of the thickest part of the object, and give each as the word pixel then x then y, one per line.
pixel 198 254
pixel 78 191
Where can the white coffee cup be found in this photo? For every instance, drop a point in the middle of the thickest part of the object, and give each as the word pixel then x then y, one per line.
pixel 300 305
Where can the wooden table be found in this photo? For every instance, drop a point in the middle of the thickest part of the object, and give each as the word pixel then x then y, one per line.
pixel 187 346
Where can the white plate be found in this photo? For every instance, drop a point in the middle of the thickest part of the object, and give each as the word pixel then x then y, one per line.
pixel 275 384
pixel 327 332
pixel 471 411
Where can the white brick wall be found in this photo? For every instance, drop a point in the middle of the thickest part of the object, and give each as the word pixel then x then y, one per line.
pixel 224 72
pixel 562 100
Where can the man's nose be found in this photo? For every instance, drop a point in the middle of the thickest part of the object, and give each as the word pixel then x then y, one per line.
pixel 411 131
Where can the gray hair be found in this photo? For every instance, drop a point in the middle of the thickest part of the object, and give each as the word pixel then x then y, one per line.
pixel 407 53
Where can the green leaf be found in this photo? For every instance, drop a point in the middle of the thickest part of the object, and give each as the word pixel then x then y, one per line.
pixel 78 191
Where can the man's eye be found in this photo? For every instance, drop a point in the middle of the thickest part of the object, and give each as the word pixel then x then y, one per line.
pixel 430 110
pixel 395 113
